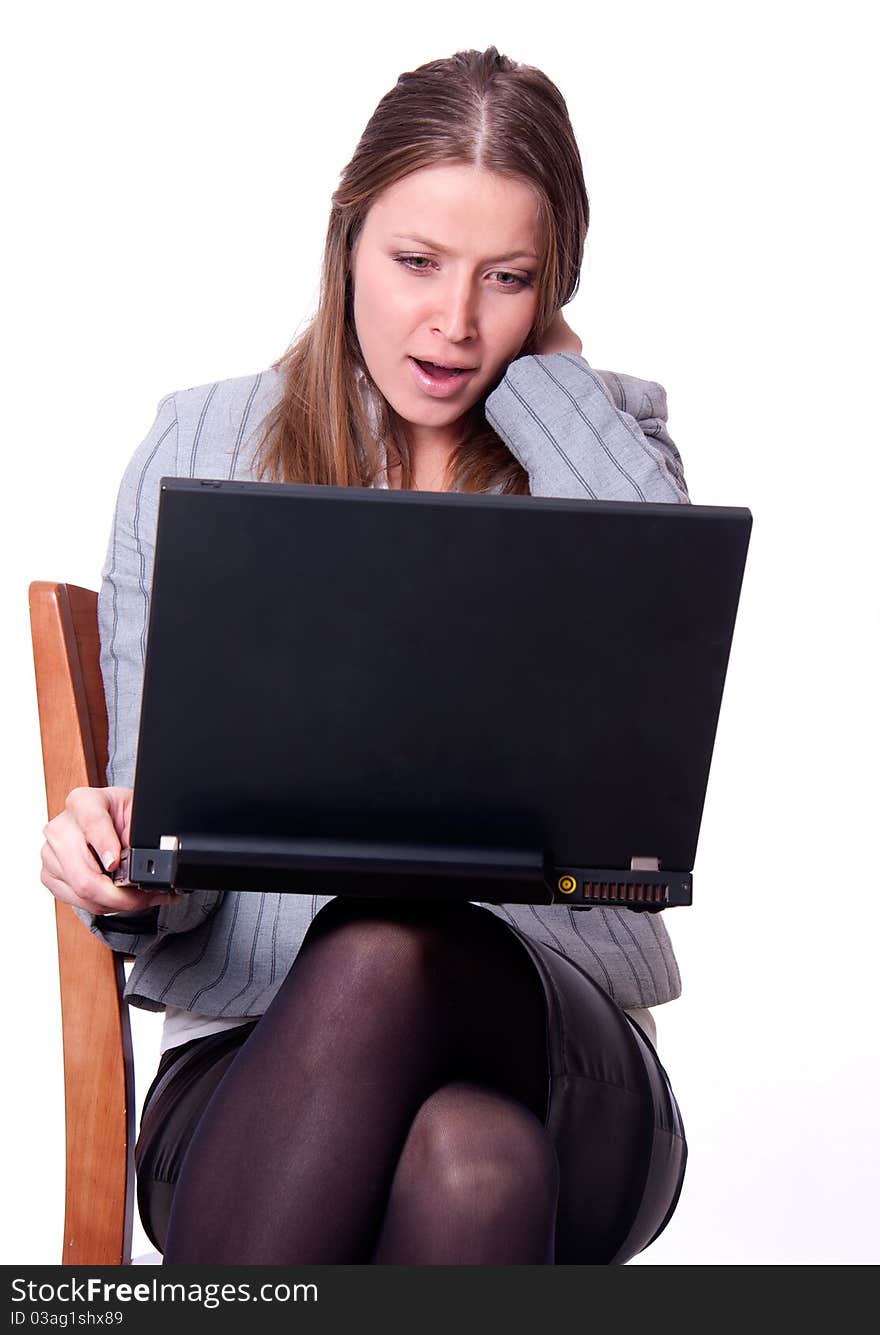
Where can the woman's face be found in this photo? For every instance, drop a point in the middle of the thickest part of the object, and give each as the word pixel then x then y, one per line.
pixel 444 271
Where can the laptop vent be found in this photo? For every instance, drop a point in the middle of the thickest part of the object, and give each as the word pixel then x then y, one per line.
pixel 625 892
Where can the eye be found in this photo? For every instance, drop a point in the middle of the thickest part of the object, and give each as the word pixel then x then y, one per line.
pixel 517 280
pixel 412 262
pixel 509 282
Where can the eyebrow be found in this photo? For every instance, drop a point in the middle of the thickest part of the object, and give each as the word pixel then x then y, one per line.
pixel 444 250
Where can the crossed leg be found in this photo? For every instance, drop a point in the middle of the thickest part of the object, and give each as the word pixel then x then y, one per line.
pixel 386 1108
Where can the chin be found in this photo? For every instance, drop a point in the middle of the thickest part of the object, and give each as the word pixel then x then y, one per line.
pixel 430 414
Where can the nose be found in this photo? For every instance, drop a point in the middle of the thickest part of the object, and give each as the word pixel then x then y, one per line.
pixel 456 313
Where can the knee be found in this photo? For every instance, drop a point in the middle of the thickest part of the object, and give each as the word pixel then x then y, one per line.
pixel 483 1154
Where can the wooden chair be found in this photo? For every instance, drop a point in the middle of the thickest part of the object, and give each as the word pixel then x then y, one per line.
pixel 98 1062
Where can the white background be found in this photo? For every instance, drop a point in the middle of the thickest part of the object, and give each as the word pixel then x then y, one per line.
pixel 168 171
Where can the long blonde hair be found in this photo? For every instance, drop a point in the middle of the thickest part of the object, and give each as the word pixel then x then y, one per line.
pixel 477 108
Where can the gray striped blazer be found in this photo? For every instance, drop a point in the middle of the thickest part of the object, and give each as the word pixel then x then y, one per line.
pixel 577 432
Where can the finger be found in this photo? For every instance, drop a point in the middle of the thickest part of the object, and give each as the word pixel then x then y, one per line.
pixel 53 867
pixel 120 803
pixel 63 893
pixel 61 837
pixel 117 901
pixel 61 889
pixel 50 862
pixel 93 811
pixel 76 866
pixel 67 860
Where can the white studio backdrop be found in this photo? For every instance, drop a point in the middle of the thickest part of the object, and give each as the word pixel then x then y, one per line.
pixel 168 172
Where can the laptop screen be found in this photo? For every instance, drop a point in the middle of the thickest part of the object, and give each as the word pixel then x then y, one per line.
pixel 490 671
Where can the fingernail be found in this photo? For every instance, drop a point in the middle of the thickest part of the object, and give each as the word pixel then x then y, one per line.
pixel 107 859
pixel 102 862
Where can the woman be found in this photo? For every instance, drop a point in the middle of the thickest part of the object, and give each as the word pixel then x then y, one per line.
pixel 372 1081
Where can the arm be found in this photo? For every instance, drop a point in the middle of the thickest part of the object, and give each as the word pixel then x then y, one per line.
pixel 580 432
pixel 123 608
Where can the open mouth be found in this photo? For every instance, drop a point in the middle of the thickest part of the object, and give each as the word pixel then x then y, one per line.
pixel 438 372
pixel 440 382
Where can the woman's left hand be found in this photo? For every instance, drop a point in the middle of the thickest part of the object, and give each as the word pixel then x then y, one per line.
pixel 559 337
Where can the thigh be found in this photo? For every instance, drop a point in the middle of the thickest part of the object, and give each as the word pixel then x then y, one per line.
pixel 473 991
pixel 456 960
pixel 613 1118
pixel 186 1079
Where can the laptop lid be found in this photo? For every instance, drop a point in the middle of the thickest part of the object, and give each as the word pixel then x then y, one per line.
pixel 521 678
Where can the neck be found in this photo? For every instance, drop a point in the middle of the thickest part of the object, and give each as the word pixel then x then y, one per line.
pixel 429 458
pixel 428 470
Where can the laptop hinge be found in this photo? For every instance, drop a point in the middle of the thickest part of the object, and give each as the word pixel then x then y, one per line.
pixel 644 864
pixel 336 866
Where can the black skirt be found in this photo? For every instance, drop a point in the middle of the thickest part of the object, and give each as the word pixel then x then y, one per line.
pixel 611 1114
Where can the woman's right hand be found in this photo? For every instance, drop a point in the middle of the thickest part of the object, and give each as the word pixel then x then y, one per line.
pixel 100 817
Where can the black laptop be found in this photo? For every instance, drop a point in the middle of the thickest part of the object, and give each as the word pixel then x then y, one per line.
pixel 509 699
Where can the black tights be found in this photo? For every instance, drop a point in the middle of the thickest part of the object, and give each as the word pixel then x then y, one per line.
pixel 388 1107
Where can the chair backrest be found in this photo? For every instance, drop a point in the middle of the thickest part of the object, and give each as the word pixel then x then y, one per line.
pixel 98 1063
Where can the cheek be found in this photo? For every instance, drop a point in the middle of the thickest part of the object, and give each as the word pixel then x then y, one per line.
pixel 512 329
pixel 364 312
pixel 382 313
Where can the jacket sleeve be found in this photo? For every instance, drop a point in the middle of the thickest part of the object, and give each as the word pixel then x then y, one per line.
pixel 123 611
pixel 580 432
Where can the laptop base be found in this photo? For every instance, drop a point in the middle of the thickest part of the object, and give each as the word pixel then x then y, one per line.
pixel 381 870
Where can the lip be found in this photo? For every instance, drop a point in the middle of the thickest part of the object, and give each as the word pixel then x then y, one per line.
pixel 440 389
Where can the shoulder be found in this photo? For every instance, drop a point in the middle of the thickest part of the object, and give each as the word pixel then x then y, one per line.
pixel 218 423
pixel 211 430
pixel 206 430
pixel 225 397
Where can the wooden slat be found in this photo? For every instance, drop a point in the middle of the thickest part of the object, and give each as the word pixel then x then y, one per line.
pixel 84 613
pixel 98 1065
